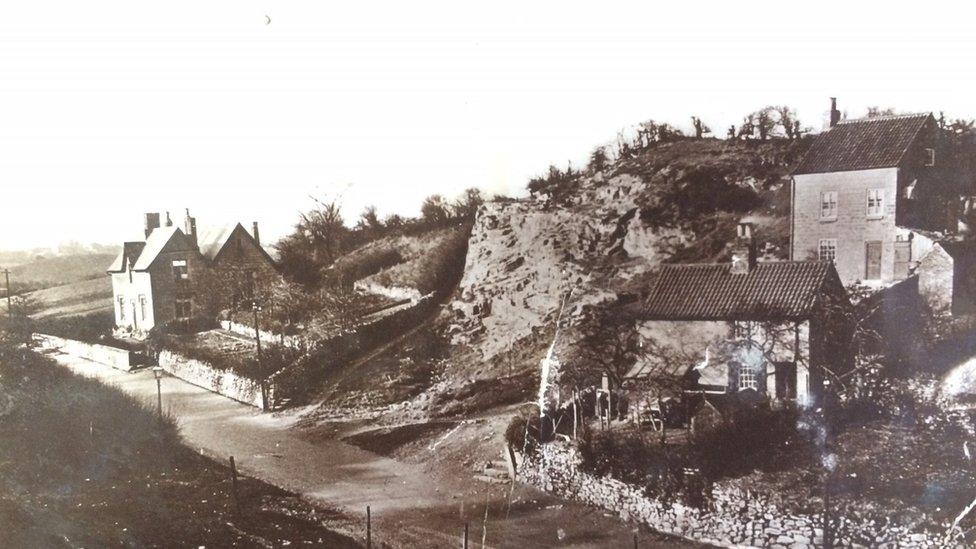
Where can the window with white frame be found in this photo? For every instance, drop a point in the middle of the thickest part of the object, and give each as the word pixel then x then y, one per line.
pixel 827 250
pixel 121 308
pixel 748 378
pixel 930 157
pixel 142 306
pixel 875 203
pixel 180 271
pixel 828 205
pixel 184 308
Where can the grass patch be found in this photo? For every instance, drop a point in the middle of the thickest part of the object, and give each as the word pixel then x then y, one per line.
pixel 82 464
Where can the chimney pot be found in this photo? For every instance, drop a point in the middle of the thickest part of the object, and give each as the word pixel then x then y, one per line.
pixel 834 113
pixel 152 222
pixel 190 227
pixel 255 233
pixel 169 222
pixel 744 255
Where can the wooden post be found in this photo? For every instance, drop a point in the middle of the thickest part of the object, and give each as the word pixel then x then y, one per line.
pixel 233 478
pixel 575 413
pixel 635 541
pixel 465 535
pixel 369 529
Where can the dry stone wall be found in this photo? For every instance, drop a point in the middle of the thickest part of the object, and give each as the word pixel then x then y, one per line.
pixel 732 518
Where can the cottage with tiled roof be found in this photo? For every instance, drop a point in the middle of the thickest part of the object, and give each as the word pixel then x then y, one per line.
pixel 179 274
pixel 765 330
pixel 870 191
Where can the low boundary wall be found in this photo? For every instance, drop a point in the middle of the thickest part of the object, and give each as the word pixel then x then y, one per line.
pixel 731 518
pixel 222 382
pixel 122 359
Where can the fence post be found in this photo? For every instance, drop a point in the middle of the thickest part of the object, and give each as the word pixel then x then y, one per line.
pixel 465 535
pixel 233 477
pixel 369 529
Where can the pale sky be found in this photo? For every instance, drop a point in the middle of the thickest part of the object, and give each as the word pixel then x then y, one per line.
pixel 111 109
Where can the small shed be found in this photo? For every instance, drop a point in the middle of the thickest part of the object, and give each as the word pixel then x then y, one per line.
pixel 947 278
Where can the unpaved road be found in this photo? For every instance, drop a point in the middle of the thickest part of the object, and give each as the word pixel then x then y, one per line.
pixel 410 507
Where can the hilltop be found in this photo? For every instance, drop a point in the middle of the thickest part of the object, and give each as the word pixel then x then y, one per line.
pixel 579 240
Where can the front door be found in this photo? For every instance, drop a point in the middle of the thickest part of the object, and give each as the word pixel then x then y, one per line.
pixel 873 253
pixel 786 380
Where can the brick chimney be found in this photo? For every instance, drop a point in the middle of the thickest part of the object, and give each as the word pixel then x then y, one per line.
pixel 254 231
pixel 834 113
pixel 169 222
pixel 152 222
pixel 744 254
pixel 190 227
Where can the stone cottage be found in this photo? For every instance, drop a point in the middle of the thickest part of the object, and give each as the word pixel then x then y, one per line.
pixel 744 329
pixel 178 274
pixel 870 191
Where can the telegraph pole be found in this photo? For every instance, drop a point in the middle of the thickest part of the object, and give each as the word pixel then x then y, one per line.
pixel 257 338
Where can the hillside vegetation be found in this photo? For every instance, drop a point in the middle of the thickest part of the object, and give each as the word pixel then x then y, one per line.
pixel 47 272
pixel 86 466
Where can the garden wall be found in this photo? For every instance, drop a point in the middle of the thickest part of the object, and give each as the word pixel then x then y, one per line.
pixel 266 336
pixel 732 518
pixel 122 359
pixel 223 382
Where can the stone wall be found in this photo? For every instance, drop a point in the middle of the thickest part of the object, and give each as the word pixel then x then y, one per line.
pixel 112 356
pixel 732 518
pixel 266 336
pixel 223 382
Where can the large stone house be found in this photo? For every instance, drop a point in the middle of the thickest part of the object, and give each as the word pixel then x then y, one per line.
pixel 873 194
pixel 744 329
pixel 178 274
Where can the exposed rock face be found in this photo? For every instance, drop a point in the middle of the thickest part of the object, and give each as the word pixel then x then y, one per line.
pixel 525 259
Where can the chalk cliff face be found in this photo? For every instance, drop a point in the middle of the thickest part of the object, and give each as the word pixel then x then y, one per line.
pixel 529 258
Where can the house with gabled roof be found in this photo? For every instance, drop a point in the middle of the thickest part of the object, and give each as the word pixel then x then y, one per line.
pixel 745 329
pixel 870 194
pixel 179 274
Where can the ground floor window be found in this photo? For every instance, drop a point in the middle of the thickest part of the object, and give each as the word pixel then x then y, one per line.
pixel 827 250
pixel 121 308
pixel 142 306
pixel 748 378
pixel 184 308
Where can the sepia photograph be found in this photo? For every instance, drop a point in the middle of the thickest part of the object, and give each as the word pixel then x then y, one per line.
pixel 506 275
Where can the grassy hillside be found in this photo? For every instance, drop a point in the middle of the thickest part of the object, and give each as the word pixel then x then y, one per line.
pixel 86 466
pixel 427 261
pixel 83 298
pixel 57 271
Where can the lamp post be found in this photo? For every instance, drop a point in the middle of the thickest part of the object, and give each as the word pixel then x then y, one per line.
pixel 257 338
pixel 158 373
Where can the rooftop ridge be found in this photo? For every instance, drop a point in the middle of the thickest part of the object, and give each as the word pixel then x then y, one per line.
pixel 865 119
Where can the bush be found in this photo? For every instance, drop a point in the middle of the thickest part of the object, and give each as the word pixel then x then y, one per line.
pixel 96 328
pixel 748 439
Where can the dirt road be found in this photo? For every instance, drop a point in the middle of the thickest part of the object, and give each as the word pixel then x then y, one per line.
pixel 410 506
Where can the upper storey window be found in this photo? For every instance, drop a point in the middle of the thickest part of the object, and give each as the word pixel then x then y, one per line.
pixel 875 203
pixel 930 157
pixel 828 205
pixel 180 271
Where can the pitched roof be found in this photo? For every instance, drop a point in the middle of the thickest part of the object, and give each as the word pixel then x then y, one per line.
pixel 213 239
pixel 157 240
pixel 772 290
pixel 863 144
pixel 958 248
pixel 130 252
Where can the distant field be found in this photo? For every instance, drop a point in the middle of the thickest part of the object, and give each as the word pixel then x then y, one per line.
pixel 79 298
pixel 56 271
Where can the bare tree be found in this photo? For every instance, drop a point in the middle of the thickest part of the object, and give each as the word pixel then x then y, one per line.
pixel 700 128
